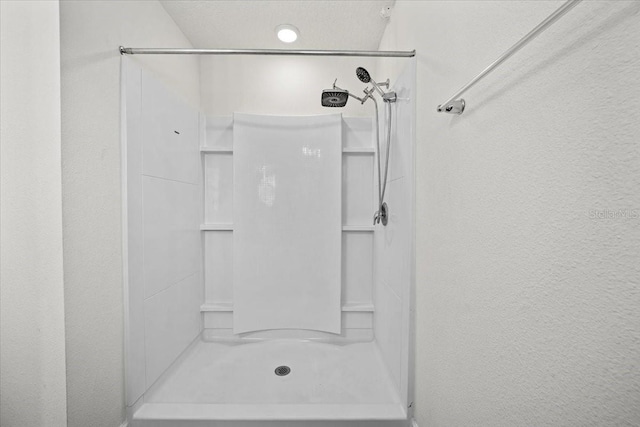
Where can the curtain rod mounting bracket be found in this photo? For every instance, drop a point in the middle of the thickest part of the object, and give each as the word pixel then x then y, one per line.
pixel 453 107
pixel 450 105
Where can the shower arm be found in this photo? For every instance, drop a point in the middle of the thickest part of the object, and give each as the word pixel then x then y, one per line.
pixel 386 96
pixel 362 100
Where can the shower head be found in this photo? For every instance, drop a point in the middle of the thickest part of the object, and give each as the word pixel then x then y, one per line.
pixel 334 97
pixel 363 75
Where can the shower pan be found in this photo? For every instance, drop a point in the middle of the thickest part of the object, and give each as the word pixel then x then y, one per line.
pixel 257 290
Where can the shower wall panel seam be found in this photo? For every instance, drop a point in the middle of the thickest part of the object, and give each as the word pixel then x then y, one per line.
pixel 169 179
pixel 177 282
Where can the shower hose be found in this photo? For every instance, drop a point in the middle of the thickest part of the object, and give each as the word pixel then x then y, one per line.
pixel 382 183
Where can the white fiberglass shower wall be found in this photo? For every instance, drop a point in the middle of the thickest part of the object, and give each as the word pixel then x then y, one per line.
pixel 394 245
pixel 162 201
pixel 208 326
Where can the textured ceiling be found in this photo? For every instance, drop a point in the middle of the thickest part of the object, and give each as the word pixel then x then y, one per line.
pixel 246 24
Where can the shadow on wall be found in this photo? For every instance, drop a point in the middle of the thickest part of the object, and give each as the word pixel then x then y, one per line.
pixel 590 33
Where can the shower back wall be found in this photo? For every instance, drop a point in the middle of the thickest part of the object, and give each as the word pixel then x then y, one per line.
pixel 286 86
pixel 356 278
pixel 280 85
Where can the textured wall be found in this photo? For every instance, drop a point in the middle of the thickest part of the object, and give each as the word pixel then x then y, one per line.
pixel 91 32
pixel 32 369
pixel 528 308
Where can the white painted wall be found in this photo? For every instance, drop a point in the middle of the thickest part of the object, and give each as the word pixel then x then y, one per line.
pixel 280 85
pixel 91 32
pixel 527 303
pixel 32 347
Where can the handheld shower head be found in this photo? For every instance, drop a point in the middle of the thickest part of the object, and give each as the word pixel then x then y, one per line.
pixel 334 97
pixel 363 75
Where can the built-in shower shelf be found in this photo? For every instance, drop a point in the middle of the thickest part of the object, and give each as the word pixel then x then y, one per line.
pixel 219 306
pixel 345 150
pixel 358 150
pixel 362 307
pixel 358 228
pixel 216 150
pixel 216 227
pixel 228 306
pixel 229 227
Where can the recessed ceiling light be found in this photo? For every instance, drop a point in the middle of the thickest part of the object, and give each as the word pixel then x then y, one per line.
pixel 287 33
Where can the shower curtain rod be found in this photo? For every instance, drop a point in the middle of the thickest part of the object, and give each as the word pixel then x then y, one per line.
pixel 454 105
pixel 172 51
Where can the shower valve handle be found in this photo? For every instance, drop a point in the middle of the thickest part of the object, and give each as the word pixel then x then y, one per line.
pixel 367 94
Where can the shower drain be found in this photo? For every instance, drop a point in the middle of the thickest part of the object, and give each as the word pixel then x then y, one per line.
pixel 281 371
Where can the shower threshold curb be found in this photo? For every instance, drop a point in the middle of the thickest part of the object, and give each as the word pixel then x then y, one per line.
pixel 270 412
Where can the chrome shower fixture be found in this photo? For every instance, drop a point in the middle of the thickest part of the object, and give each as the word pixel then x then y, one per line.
pixel 365 77
pixel 338 97
pixel 334 97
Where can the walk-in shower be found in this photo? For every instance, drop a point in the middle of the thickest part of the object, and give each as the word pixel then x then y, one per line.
pixel 338 97
pixel 258 292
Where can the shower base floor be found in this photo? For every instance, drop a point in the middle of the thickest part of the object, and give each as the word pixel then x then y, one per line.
pixel 233 383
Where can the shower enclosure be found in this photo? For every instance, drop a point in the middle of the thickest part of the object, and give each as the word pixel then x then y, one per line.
pixel 258 291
